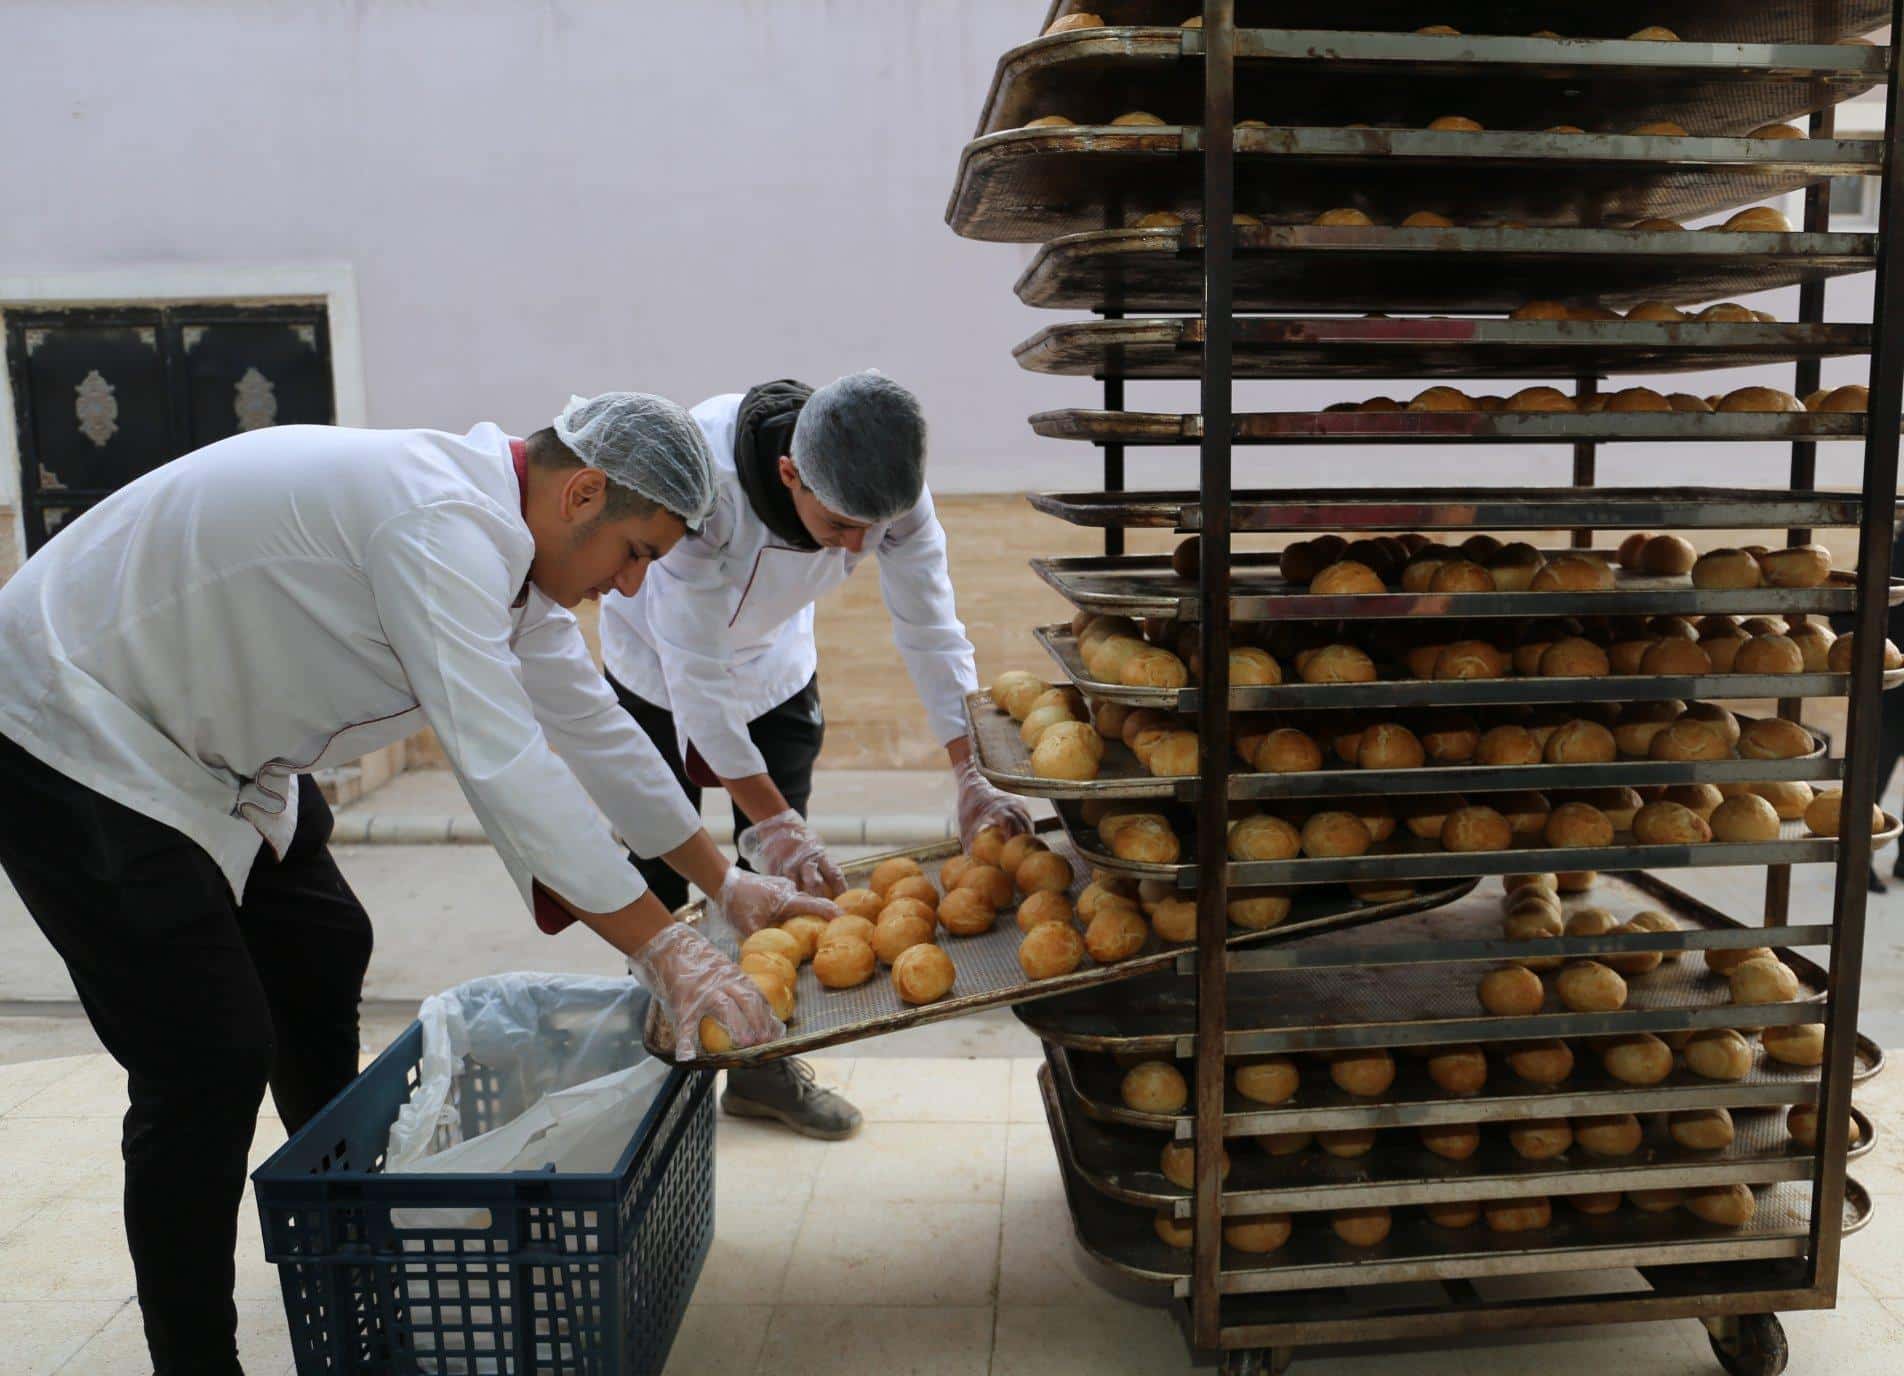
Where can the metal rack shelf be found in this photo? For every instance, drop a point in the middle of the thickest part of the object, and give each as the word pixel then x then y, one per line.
pixel 1485 508
pixel 1449 427
pixel 1311 268
pixel 1062 646
pixel 1334 76
pixel 1029 185
pixel 1437 347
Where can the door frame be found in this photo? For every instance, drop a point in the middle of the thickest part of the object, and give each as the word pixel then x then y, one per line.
pixel 333 285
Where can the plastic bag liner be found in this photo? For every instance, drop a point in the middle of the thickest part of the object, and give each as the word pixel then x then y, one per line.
pixel 560 1064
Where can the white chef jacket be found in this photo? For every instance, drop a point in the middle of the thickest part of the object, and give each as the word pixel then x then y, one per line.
pixel 292 598
pixel 722 628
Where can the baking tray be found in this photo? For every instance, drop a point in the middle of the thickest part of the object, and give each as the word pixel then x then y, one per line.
pixel 1122 1163
pixel 1030 185
pixel 989 975
pixel 1450 346
pixel 1062 646
pixel 1407 857
pixel 1003 759
pixel 1332 76
pixel 1475 268
pixel 1124 1237
pixel 1695 21
pixel 1304 510
pixel 1140 585
pixel 1450 427
pixel 1412 984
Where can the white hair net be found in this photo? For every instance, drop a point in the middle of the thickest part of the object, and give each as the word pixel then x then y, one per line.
pixel 860 445
pixel 646 444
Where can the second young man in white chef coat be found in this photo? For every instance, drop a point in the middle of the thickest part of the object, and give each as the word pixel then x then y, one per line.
pixel 715 658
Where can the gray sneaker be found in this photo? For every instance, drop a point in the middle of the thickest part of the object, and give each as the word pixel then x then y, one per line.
pixel 786 1091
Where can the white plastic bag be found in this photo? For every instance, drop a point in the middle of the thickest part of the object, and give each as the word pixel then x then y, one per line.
pixel 563 1057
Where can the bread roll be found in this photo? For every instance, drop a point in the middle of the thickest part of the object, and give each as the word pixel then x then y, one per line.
pixel 1718 1054
pixel 1744 818
pixel 1617 1134
pixel 1259 913
pixel 1256 1234
pixel 1573 573
pixel 1586 986
pixel 1629 399
pixel 1337 664
pixel 1346 576
pixel 1755 399
pixel 1425 814
pixel 1065 23
pixel 1674 656
pixel 1508 745
pixel 1146 839
pixel 1540 1139
pixel 1518 1215
pixel 1361 1227
pixel 1853 398
pixel 1389 745
pixel 1574 657
pixel 1442 399
pixel 1639 1059
pixel 1590 922
pixel 1511 991
pixel 1272 1080
pixel 1656 1201
pixel 1824 815
pixel 1343 217
pixel 1539 398
pixel 1578 824
pixel 1055 907
pixel 1263 837
pixel 1843 650
pixel 1136 119
pixel 967 912
pixel 1597 1203
pixel 1335 834
pixel 1539 310
pixel 1799 1044
pixel 1154 1087
pixel 1526 811
pixel 1178 1162
pixel 1726 568
pixel 1814 640
pixel 1670 824
pixel 1451 1141
pixel 1690 738
pixel 1475 828
pixel 1803 566
pixel 1763 979
pixel 847 927
pixel 1461 575
pixel 1701 1129
pixel 1362 1073
pixel 1802 1123
pixel 1453 1214
pixel 1545 1063
pixel 1174 919
pixel 844 962
pixel 1458 1069
pixel 1450 738
pixel 989 881
pixel 1468 660
pixel 1759 219
pixel 1728 1206
pixel 1455 123
pixel 1582 742
pixel 922 974
pixel 1427 219
pixel 1656 311
pixel 1065 755
pixel 1724 960
pixel 1686 401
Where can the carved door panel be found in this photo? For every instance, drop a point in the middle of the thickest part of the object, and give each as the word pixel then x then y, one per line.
pixel 244 373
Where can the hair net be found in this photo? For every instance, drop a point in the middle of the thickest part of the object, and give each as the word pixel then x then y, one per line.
pixel 646 444
pixel 860 446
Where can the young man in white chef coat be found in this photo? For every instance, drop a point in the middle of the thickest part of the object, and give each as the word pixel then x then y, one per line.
pixel 714 655
pixel 179 658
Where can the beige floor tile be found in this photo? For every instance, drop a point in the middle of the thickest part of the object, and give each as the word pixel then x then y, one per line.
pixel 1031 1162
pixel 61 1156
pixel 960 1163
pixel 1858 1338
pixel 759 1159
pixel 1027 1104
pixel 38 1336
pixel 1452 1359
pixel 1672 1348
pixel 1870 1254
pixel 869 1252
pixel 18 1205
pixel 753 1243
pixel 860 1340
pixel 933 1091
pixel 1087 1341
pixel 264 1343
pixel 19 1083
pixel 1039 1262
pixel 719 1340
pixel 73 1249
pixel 96 1089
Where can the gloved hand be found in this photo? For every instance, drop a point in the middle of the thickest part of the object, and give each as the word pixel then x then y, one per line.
pixel 695 981
pixel 785 845
pixel 752 901
pixel 981 806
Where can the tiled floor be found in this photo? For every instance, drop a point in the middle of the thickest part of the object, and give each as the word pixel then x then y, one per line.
pixel 935 1242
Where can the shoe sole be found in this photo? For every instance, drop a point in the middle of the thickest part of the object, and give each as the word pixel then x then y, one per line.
pixel 744 1108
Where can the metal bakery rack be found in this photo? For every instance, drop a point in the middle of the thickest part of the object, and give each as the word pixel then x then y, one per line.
pixel 1255 131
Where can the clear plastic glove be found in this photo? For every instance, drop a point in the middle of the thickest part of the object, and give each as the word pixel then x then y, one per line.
pixel 752 901
pixel 981 806
pixel 695 981
pixel 785 845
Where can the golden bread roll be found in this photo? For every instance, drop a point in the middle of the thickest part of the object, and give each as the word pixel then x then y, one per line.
pixel 844 963
pixel 1539 310
pixel 1256 1234
pixel 1574 573
pixel 1153 668
pixel 1065 23
pixel 1338 664
pixel 922 974
pixel 848 927
pixel 1460 575
pixel 1469 829
pixel 1389 745
pixel 1625 657
pixel 1452 1141
pixel 1581 742
pixel 1729 1206
pixel 1630 399
pixel 914 886
pixel 1578 824
pixel 1824 815
pixel 1335 834
pixel 1545 1063
pixel 1639 722
pixel 1814 640
pixel 1050 949
pixel 1690 738
pixel 1576 881
pixel 1723 960
pixel 1442 399
pixel 1116 934
pixel 1272 1080
pixel 989 881
pixel 1574 657
pixel 1362 1073
pixel 1172 1232
pixel 1759 219
pixel 1802 566
pixel 1744 818
pixel 1843 651
pixel 773 941
pixel 1726 568
pixel 1701 1129
pixel 900 928
pixel 1251 667
pixel 1590 922
pixel 1686 401
pixel 1800 1044
pixel 1763 979
pixel 1853 398
pixel 1055 907
pixel 1615 1134
pixel 1154 1087
pixel 768 963
pixel 1540 1139
pixel 1286 751
pixel 1513 566
pixel 1777 131
pixel 1774 738
pixel 1174 919
pixel 1726 313
pixel 1343 217
pixel 1599 1202
pixel 1512 992
pixel 1518 1215
pixel 1655 310
pixel 1667 554
pixel 1638 1059
pixel 1043 870
pixel 1361 1227
pixel 1458 1069
pixel 1264 837
pixel 1718 1053
pixel 1657 225
pixel 1539 398
pixel 1054 122
pixel 1427 219
pixel 1470 659
pixel 1259 913
pixel 1586 986
pixel 1656 1201
pixel 1802 1123
pixel 1450 738
pixel 1014 691
pixel 889 872
pixel 1454 1214
pixel 1508 745
pixel 1628 554
pixel 1757 399
pixel 1425 814
pixel 1284 1143
pixel 1178 1163
pixel 1455 124
pixel 1146 839
pixel 967 912
pixel 1670 824
pixel 1651 921
pixel 1131 119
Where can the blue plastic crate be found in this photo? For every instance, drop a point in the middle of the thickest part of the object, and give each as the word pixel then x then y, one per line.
pixel 574 1274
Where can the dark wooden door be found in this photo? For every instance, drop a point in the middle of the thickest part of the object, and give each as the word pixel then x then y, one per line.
pixel 104 394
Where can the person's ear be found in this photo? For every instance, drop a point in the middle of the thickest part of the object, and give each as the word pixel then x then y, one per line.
pixel 789 474
pixel 584 494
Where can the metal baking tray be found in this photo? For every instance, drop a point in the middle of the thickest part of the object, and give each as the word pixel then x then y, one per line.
pixel 1302 510
pixel 1407 857
pixel 1002 758
pixel 1325 268
pixel 1450 427
pixel 988 973
pixel 1448 346
pixel 1122 1163
pixel 1416 692
pixel 1332 76
pixel 1030 185
pixel 1412 984
pixel 1140 585
pixel 1695 21
pixel 1123 1236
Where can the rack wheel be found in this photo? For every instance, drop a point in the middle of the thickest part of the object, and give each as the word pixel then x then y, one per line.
pixel 1749 1345
pixel 1258 1361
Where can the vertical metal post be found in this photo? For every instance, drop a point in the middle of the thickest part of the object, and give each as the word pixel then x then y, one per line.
pixel 1213 594
pixel 1585 454
pixel 1113 453
pixel 1861 739
pixel 1804 474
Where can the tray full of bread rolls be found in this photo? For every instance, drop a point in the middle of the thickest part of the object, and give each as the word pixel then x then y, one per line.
pixel 851 978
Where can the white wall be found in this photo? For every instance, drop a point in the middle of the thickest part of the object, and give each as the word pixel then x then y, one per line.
pixel 540 196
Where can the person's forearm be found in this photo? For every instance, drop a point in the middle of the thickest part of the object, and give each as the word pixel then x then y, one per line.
pixel 699 861
pixel 757 796
pixel 626 929
pixel 958 750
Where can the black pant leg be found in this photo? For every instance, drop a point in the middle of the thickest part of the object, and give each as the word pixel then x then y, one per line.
pixel 310 940
pixel 789 738
pixel 658 724
pixel 148 929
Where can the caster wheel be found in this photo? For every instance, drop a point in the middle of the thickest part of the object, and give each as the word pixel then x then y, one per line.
pixel 1257 1361
pixel 1751 1345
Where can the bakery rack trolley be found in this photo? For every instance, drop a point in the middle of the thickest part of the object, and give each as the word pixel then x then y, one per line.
pixel 1067 189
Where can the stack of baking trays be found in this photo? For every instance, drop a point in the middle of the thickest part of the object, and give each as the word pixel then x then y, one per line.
pixel 1573 1093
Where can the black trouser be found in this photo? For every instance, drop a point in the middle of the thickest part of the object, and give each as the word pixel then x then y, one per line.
pixel 203 1000
pixel 788 738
